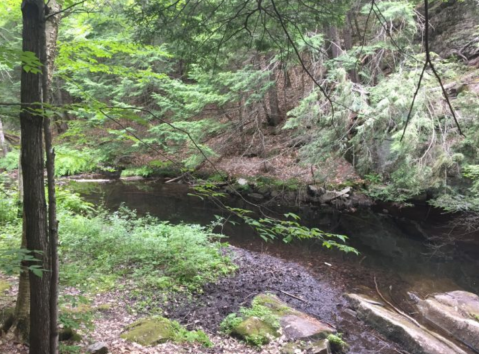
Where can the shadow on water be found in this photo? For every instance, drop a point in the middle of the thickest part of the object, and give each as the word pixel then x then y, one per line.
pixel 386 242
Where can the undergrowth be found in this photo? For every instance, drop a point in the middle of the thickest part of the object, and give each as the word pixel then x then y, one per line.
pixel 99 250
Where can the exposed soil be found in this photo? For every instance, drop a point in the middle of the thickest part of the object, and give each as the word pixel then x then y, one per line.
pixel 292 283
pixel 257 273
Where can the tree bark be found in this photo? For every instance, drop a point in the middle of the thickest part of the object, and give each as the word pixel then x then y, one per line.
pixel 348 44
pixel 34 203
pixel 49 53
pixel 335 42
pixel 3 143
pixel 273 114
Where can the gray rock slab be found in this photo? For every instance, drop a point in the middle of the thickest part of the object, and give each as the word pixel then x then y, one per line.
pixel 413 338
pixel 456 313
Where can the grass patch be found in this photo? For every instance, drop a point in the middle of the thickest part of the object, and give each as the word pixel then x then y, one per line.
pixel 98 250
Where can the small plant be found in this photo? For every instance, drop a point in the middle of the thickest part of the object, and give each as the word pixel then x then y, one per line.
pixel 10 162
pixel 373 178
pixel 338 345
pixel 269 318
pixel 75 312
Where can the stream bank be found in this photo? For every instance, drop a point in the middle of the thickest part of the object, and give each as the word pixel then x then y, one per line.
pixel 392 243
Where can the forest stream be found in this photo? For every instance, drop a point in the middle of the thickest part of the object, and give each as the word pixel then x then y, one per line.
pixel 393 259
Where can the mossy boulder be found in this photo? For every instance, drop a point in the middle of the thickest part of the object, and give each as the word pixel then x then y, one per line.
pixel 150 331
pixel 269 317
pixel 256 331
pixel 273 303
pixel 70 335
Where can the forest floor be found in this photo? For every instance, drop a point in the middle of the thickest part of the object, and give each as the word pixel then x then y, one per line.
pixel 257 273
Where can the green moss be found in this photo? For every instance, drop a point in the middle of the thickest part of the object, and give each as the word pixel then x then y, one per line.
pixel 150 331
pixel 6 314
pixel 103 307
pixel 4 286
pixel 274 304
pixel 292 348
pixel 256 331
pixel 156 330
pixel 258 324
pixel 338 345
pixel 69 334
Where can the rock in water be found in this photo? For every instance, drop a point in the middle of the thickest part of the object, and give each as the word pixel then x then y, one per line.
pixel 455 312
pixel 98 348
pixel 413 338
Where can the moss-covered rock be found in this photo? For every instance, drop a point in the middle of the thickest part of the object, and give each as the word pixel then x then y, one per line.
pixel 150 331
pixel 70 335
pixel 292 348
pixel 156 330
pixel 256 331
pixel 273 303
pixel 5 314
pixel 268 317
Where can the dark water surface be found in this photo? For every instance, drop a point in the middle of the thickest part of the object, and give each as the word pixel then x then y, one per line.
pixel 392 244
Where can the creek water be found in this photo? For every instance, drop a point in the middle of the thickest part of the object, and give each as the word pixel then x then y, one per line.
pixel 398 248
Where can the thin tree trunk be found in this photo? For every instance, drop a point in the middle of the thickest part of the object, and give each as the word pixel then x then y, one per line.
pixel 34 193
pixel 3 143
pixel 51 34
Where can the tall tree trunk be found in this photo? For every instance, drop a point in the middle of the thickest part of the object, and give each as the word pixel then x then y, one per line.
pixel 348 44
pixel 273 114
pixel 335 42
pixel 3 143
pixel 34 203
pixel 51 34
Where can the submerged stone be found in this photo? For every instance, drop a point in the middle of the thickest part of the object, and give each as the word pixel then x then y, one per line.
pixel 150 331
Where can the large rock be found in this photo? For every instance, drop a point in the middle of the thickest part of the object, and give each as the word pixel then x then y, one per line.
pixel 256 331
pixel 150 331
pixel 455 312
pixel 415 339
pixel 454 28
pixel 293 324
pixel 301 326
